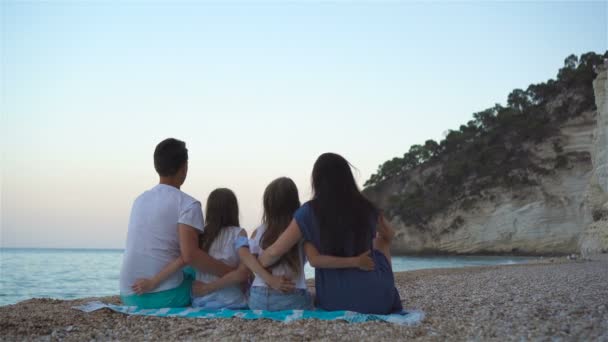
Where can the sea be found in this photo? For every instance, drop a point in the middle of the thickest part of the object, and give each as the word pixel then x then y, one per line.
pixel 77 273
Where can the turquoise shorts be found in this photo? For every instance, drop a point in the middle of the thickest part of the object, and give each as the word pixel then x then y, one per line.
pixel 172 298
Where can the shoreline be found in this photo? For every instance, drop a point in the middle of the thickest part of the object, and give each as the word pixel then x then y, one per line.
pixel 535 300
pixel 425 253
pixel 399 264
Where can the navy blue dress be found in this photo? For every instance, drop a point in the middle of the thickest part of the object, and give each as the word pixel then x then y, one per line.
pixel 350 288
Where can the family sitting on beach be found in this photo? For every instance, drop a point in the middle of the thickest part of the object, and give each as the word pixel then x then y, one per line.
pixel 175 258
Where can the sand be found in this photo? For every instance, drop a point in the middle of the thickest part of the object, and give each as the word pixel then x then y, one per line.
pixel 554 299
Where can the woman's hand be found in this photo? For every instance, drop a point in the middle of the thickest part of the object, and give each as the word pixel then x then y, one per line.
pixel 282 284
pixel 143 285
pixel 365 261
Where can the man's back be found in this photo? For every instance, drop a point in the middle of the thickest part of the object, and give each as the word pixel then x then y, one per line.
pixel 153 239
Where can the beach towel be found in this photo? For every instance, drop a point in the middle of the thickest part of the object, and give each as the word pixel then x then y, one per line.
pixel 409 317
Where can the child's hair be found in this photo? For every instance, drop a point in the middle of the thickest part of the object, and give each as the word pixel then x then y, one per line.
pixel 222 211
pixel 281 200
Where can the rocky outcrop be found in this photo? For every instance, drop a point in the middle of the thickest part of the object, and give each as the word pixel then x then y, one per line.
pixel 563 212
pixel 600 151
pixel 594 238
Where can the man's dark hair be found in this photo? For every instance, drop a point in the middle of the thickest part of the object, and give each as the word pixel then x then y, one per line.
pixel 169 156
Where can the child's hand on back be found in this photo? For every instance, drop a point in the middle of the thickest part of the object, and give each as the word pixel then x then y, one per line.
pixel 365 261
pixel 282 284
pixel 143 285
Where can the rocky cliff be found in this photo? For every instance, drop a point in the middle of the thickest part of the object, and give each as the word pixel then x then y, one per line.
pixel 561 208
pixel 594 237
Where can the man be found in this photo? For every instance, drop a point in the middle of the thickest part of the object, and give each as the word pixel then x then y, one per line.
pixel 164 226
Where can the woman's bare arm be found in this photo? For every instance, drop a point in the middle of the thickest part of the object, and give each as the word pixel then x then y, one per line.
pixel 282 245
pixel 384 237
pixel 317 260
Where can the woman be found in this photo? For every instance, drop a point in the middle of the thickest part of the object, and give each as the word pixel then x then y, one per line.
pixel 340 221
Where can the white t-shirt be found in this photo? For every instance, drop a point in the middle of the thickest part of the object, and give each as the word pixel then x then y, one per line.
pixel 153 238
pixel 281 269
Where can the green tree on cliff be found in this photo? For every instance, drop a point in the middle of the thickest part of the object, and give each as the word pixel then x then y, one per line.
pixel 489 150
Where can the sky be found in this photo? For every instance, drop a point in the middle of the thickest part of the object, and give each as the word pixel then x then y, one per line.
pixel 256 90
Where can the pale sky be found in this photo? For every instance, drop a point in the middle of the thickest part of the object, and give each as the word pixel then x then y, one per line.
pixel 257 91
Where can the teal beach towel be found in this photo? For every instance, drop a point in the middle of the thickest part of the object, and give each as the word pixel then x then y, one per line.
pixel 409 317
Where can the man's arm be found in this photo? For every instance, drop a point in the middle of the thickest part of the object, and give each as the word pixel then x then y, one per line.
pixel 192 255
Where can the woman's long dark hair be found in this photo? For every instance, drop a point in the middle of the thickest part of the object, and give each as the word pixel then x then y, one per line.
pixel 281 200
pixel 222 211
pixel 345 217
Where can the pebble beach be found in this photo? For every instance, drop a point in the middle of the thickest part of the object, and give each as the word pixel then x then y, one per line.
pixel 551 299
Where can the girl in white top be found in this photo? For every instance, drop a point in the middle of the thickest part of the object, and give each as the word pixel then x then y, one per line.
pixel 219 235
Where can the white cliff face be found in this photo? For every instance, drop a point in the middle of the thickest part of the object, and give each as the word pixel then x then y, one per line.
pixel 543 219
pixel 594 238
pixel 600 152
pixel 554 217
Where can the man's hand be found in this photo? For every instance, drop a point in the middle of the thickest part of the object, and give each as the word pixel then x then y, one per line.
pixel 365 261
pixel 143 285
pixel 282 284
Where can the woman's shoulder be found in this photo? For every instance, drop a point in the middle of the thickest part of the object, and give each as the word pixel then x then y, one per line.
pixel 304 213
pixel 305 208
pixel 304 217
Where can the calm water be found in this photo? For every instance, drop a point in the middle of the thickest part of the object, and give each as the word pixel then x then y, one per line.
pixel 76 273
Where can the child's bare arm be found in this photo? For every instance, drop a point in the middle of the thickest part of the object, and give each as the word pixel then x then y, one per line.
pixel 235 277
pixel 144 285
